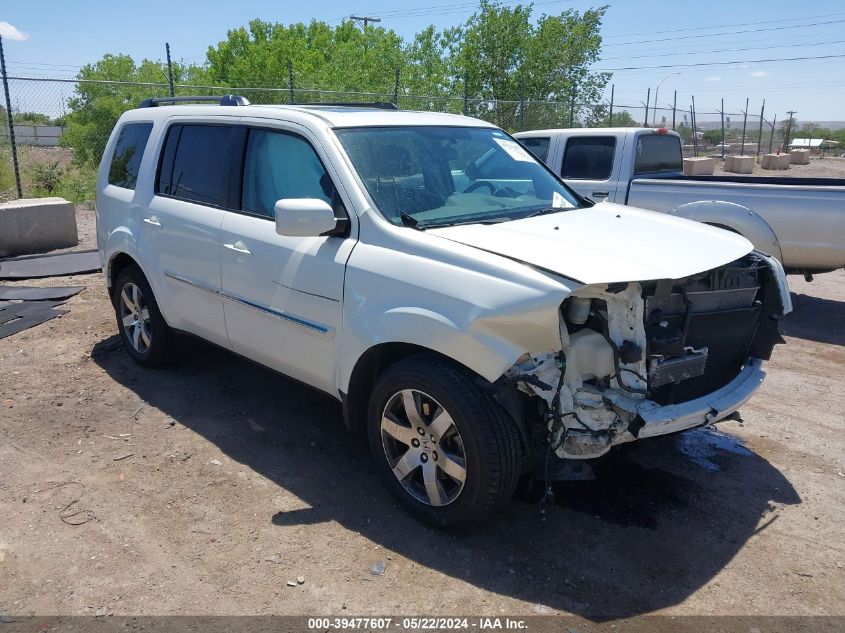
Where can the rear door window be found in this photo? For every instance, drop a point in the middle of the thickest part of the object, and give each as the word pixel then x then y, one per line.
pixel 194 165
pixel 537 145
pixel 658 153
pixel 588 157
pixel 128 152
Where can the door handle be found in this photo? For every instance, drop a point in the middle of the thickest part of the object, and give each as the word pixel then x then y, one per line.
pixel 238 247
pixel 601 194
pixel 153 221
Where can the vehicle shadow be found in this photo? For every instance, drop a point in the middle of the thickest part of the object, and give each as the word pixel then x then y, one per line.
pixel 646 533
pixel 815 319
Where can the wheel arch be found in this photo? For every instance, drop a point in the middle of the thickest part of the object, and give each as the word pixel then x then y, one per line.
pixel 736 218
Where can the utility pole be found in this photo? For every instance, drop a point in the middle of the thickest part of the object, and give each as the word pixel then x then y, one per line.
pixel 169 69
pixel 647 101
pixel 610 115
pixel 10 120
pixel 674 108
pixel 791 113
pixel 760 131
pixel 744 122
pixel 722 113
pixel 364 20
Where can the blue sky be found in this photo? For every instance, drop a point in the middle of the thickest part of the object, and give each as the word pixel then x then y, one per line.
pixel 61 36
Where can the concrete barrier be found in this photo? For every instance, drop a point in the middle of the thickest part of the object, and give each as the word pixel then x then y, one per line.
pixel 775 161
pixel 35 225
pixel 739 164
pixel 799 156
pixel 699 166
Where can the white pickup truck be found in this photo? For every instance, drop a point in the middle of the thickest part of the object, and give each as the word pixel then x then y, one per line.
pixel 800 221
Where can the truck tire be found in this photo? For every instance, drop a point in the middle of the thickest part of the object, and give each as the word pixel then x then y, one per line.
pixel 446 451
pixel 144 332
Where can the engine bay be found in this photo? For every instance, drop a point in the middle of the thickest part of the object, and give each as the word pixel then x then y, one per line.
pixel 632 347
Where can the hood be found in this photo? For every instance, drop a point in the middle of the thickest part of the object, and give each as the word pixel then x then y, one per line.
pixel 606 243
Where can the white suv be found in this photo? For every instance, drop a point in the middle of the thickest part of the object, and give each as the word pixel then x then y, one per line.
pixel 475 317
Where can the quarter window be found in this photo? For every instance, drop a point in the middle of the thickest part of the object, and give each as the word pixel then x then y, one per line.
pixel 194 163
pixel 588 157
pixel 658 153
pixel 280 165
pixel 128 152
pixel 537 145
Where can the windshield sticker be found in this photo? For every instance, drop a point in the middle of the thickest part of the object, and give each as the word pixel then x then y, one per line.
pixel 514 150
pixel 559 202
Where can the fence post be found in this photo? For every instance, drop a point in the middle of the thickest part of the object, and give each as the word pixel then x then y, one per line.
pixel 521 104
pixel 647 101
pixel 169 70
pixel 610 116
pixel 674 109
pixel 760 131
pixel 744 121
pixel 11 121
pixel 722 113
pixel 290 80
pixel 772 135
pixel 694 131
pixel 466 93
pixel 396 88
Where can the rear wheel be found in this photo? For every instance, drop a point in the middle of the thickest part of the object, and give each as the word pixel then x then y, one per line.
pixel 446 450
pixel 144 332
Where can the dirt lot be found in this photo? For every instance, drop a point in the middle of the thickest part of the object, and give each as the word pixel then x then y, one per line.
pixel 205 487
pixel 827 167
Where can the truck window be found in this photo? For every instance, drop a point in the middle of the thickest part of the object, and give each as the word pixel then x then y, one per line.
pixel 193 164
pixel 537 145
pixel 128 151
pixel 588 157
pixel 658 153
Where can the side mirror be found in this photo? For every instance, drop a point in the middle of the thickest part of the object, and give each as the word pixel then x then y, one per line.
pixel 304 217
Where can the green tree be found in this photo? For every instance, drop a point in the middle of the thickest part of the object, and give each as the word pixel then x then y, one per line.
pixel 506 57
pixel 95 107
pixel 713 137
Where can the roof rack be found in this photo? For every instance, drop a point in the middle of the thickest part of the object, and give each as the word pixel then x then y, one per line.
pixel 225 100
pixel 379 105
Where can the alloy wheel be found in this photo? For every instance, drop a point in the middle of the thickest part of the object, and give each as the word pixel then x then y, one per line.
pixel 423 447
pixel 135 317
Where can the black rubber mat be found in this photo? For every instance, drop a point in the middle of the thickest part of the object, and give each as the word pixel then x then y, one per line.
pixel 17 317
pixel 32 293
pixel 36 266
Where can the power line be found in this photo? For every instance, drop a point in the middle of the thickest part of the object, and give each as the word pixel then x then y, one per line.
pixel 686 37
pixel 740 61
pixel 723 50
pixel 724 26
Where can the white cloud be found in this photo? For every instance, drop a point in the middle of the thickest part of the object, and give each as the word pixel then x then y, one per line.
pixel 11 32
pixel 759 73
pixel 713 78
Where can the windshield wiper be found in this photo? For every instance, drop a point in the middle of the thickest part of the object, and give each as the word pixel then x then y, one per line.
pixel 409 221
pixel 545 211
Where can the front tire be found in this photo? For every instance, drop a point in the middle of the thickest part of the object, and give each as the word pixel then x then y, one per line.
pixel 143 330
pixel 445 449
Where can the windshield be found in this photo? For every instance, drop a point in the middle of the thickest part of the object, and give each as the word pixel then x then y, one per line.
pixel 438 175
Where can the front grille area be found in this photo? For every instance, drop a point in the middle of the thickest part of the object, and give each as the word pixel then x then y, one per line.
pixel 700 330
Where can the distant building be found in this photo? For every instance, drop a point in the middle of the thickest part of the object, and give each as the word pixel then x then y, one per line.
pixel 816 144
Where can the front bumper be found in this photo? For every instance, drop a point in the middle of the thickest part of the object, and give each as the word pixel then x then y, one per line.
pixel 662 420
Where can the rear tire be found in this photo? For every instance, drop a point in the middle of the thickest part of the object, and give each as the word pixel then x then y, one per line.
pixel 143 330
pixel 446 450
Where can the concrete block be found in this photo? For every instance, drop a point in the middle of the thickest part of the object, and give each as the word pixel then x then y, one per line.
pixel 699 166
pixel 35 225
pixel 799 156
pixel 740 164
pixel 775 161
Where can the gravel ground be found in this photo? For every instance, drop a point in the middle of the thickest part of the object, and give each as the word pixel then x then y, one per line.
pixel 205 487
pixel 828 167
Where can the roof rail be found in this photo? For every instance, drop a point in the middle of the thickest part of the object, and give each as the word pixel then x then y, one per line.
pixel 225 100
pixel 379 105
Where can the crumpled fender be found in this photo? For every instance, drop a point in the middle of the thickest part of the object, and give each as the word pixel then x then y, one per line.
pixel 736 218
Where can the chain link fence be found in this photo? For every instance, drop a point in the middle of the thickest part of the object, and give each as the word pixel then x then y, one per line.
pixel 62 125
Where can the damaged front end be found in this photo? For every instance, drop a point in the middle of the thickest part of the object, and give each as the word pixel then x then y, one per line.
pixel 642 359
